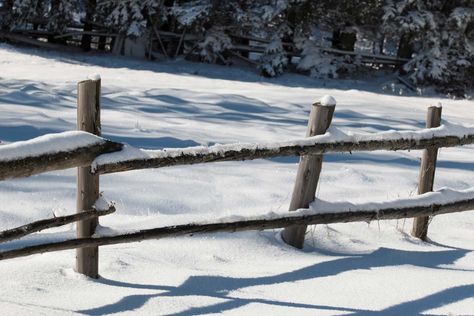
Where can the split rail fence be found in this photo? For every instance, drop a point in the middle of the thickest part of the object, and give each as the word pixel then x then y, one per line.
pixel 86 150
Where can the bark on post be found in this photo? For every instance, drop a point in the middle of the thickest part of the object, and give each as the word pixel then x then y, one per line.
pixel 88 119
pixel 427 172
pixel 309 170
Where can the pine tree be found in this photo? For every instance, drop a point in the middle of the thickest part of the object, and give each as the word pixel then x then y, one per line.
pixel 274 60
pixel 27 12
pixel 437 34
pixel 60 14
pixel 131 17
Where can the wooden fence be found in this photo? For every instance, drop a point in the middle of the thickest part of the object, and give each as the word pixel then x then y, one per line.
pixel 86 150
pixel 167 44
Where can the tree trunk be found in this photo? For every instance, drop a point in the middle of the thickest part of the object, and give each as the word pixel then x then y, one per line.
pixel 6 12
pixel 87 39
pixel 53 10
pixel 405 50
pixel 343 40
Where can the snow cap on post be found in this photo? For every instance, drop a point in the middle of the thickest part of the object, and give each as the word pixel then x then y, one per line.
pixel 327 100
pixel 439 105
pixel 94 77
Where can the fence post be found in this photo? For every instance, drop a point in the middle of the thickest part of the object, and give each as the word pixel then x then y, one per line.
pixel 88 119
pixel 309 169
pixel 427 172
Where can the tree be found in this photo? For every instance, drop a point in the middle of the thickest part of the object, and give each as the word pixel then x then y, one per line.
pixel 437 35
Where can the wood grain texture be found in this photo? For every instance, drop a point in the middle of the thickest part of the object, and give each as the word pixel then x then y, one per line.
pixel 427 173
pixel 88 120
pixel 262 153
pixel 309 170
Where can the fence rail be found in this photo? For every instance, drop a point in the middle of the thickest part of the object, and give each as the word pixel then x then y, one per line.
pixel 301 217
pixel 94 156
pixel 91 154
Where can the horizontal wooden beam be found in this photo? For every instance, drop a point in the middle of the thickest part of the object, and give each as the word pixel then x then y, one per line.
pixel 21 231
pixel 85 156
pixel 79 157
pixel 254 224
pixel 254 152
pixel 17 38
pixel 86 33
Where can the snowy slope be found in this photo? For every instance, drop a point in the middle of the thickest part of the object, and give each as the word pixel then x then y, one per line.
pixel 344 268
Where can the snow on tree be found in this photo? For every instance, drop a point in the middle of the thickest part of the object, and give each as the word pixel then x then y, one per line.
pixel 192 14
pixel 273 61
pixel 25 11
pixel 437 34
pixel 54 15
pixel 131 17
pixel 214 45
pixel 318 63
pixel 61 13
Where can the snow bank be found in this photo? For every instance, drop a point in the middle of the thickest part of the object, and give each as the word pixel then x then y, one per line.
pixel 333 135
pixel 48 144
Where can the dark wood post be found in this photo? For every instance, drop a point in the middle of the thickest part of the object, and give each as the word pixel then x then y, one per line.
pixel 88 119
pixel 427 172
pixel 309 170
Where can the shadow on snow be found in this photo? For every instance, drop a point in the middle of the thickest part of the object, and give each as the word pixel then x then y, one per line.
pixel 219 287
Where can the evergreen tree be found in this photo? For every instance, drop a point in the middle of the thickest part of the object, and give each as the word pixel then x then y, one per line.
pixel 274 60
pixel 437 34
pixel 132 17
pixel 27 11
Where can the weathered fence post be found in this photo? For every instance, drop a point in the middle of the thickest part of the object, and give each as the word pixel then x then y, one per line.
pixel 309 169
pixel 88 119
pixel 427 172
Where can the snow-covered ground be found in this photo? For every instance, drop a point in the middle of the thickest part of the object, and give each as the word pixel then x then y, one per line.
pixel 355 268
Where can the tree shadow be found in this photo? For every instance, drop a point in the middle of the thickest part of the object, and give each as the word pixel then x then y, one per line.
pixel 242 74
pixel 220 286
pixel 435 300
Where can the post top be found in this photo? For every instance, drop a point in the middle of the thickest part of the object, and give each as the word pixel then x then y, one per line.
pixel 326 100
pixel 439 105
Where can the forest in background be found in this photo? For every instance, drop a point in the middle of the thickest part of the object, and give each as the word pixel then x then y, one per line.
pixel 427 42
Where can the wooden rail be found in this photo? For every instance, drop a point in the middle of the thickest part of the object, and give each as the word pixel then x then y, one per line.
pixel 31 165
pixel 18 232
pixel 251 153
pixel 254 224
pixel 86 155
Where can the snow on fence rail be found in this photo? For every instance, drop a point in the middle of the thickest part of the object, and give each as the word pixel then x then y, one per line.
pixel 321 212
pixel 94 155
pixel 77 149
pixel 334 140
